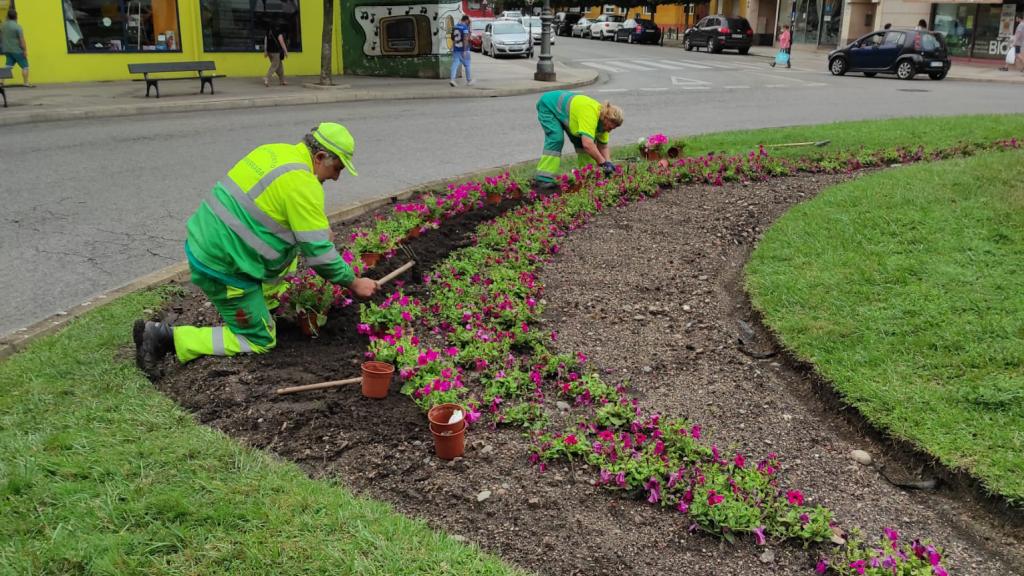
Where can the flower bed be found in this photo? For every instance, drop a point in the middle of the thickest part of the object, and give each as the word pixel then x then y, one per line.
pixel 475 340
pixel 483 300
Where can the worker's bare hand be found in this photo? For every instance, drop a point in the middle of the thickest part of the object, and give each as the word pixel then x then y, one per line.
pixel 363 288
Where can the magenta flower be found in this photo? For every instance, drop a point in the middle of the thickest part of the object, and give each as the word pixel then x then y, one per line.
pixel 939 571
pixel 620 479
pixel 606 476
pixel 739 461
pixel 759 536
pixel 795 497
pixel 714 498
pixel 683 507
pixel 859 566
pixel 473 415
pixel 822 566
pixel 653 486
pixel 570 440
pixel 695 432
pixel 804 518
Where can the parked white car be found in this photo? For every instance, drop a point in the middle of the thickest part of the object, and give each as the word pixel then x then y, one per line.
pixel 581 28
pixel 605 26
pixel 534 25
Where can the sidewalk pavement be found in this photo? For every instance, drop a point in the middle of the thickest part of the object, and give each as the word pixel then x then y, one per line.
pixel 809 57
pixel 75 101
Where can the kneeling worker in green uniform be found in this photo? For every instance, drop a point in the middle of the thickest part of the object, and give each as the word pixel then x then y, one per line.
pixel 588 123
pixel 247 236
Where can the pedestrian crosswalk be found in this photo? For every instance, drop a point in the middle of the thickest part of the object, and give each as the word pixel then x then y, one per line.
pixel 649 65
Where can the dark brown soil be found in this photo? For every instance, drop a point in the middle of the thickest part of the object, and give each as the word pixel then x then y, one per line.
pixel 652 293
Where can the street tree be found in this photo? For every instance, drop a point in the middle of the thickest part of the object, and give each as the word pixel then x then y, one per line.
pixel 325 48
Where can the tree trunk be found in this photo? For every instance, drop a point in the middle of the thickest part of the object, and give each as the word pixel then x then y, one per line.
pixel 326 43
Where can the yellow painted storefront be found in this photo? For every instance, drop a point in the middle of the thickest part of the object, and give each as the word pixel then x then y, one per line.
pixel 52 61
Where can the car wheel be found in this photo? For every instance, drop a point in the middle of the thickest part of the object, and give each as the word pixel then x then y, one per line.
pixel 686 44
pixel 711 45
pixel 870 74
pixel 937 75
pixel 629 38
pixel 838 66
pixel 905 70
pixel 744 50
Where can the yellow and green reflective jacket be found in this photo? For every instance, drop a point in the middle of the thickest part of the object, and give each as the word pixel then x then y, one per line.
pixel 268 209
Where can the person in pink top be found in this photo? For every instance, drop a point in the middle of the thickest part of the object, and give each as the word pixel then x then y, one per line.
pixel 785 44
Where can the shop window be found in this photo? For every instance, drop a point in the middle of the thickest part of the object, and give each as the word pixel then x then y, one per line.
pixel 242 25
pixel 405 35
pixel 121 26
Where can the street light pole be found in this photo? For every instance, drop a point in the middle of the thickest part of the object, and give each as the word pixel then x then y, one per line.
pixel 545 67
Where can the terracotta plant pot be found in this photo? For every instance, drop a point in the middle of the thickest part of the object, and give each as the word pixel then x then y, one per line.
pixel 449 445
pixel 309 324
pixel 440 414
pixel 370 259
pixel 493 198
pixel 413 233
pixel 516 194
pixel 377 379
pixel 652 155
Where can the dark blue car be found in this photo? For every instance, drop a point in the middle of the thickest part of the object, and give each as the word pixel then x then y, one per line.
pixel 904 53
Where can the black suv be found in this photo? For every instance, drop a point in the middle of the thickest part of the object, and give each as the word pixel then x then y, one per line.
pixel 638 31
pixel 718 32
pixel 563 23
pixel 904 53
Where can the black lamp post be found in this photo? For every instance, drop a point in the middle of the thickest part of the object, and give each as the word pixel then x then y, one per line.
pixel 545 67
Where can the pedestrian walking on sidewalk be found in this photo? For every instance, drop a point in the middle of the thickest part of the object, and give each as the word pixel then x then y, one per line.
pixel 588 123
pixel 786 45
pixel 12 44
pixel 275 47
pixel 461 51
pixel 246 236
pixel 1018 41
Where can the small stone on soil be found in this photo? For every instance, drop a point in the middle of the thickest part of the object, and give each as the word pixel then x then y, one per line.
pixel 861 457
pixel 767 556
pixel 563 406
pixel 484 495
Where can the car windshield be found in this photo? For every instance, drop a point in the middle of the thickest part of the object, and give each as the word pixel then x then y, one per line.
pixel 738 23
pixel 508 28
pixel 613 18
pixel 531 21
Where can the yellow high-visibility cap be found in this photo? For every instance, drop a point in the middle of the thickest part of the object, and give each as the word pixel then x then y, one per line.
pixel 339 141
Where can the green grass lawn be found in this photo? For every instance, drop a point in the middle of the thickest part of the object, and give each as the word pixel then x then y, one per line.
pixel 100 474
pixel 904 288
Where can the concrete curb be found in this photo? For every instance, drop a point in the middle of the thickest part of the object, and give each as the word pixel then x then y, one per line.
pixel 320 96
pixel 20 340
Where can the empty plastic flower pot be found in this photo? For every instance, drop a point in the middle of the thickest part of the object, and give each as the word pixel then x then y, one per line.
pixel 673 151
pixel 449 444
pixel 377 379
pixel 413 233
pixel 440 416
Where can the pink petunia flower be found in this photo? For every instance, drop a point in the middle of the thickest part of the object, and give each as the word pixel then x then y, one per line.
pixel 822 566
pixel 795 497
pixel 714 498
pixel 759 536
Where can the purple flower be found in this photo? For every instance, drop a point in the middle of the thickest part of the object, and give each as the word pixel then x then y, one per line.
pixel 606 476
pixel 859 566
pixel 804 518
pixel 620 479
pixel 795 497
pixel 683 507
pixel 714 498
pixel 759 535
pixel 653 486
pixel 822 566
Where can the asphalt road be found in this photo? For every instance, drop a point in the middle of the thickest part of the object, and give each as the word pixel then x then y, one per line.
pixel 91 205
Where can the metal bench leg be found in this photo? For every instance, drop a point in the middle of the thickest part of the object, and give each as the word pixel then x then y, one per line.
pixel 155 84
pixel 203 81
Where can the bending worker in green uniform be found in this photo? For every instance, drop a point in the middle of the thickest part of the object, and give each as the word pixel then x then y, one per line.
pixel 588 123
pixel 247 236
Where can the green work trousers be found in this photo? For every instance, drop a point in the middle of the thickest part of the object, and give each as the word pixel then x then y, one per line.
pixel 249 328
pixel 553 115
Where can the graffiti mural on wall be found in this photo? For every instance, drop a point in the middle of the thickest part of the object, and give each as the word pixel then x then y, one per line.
pixel 408 29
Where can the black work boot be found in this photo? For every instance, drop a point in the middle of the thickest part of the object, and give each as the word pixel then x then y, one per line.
pixel 153 340
pixel 544 187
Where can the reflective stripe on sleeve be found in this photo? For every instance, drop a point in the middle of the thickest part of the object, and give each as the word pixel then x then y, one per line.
pixel 325 258
pixel 323 235
pixel 243 232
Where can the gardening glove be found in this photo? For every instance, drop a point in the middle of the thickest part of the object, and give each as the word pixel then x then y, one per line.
pixel 608 167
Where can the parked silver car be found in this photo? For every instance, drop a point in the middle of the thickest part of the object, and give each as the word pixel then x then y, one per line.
pixel 581 28
pixel 506 38
pixel 534 26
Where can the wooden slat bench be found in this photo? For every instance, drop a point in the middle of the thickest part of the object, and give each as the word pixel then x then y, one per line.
pixel 164 67
pixel 5 74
